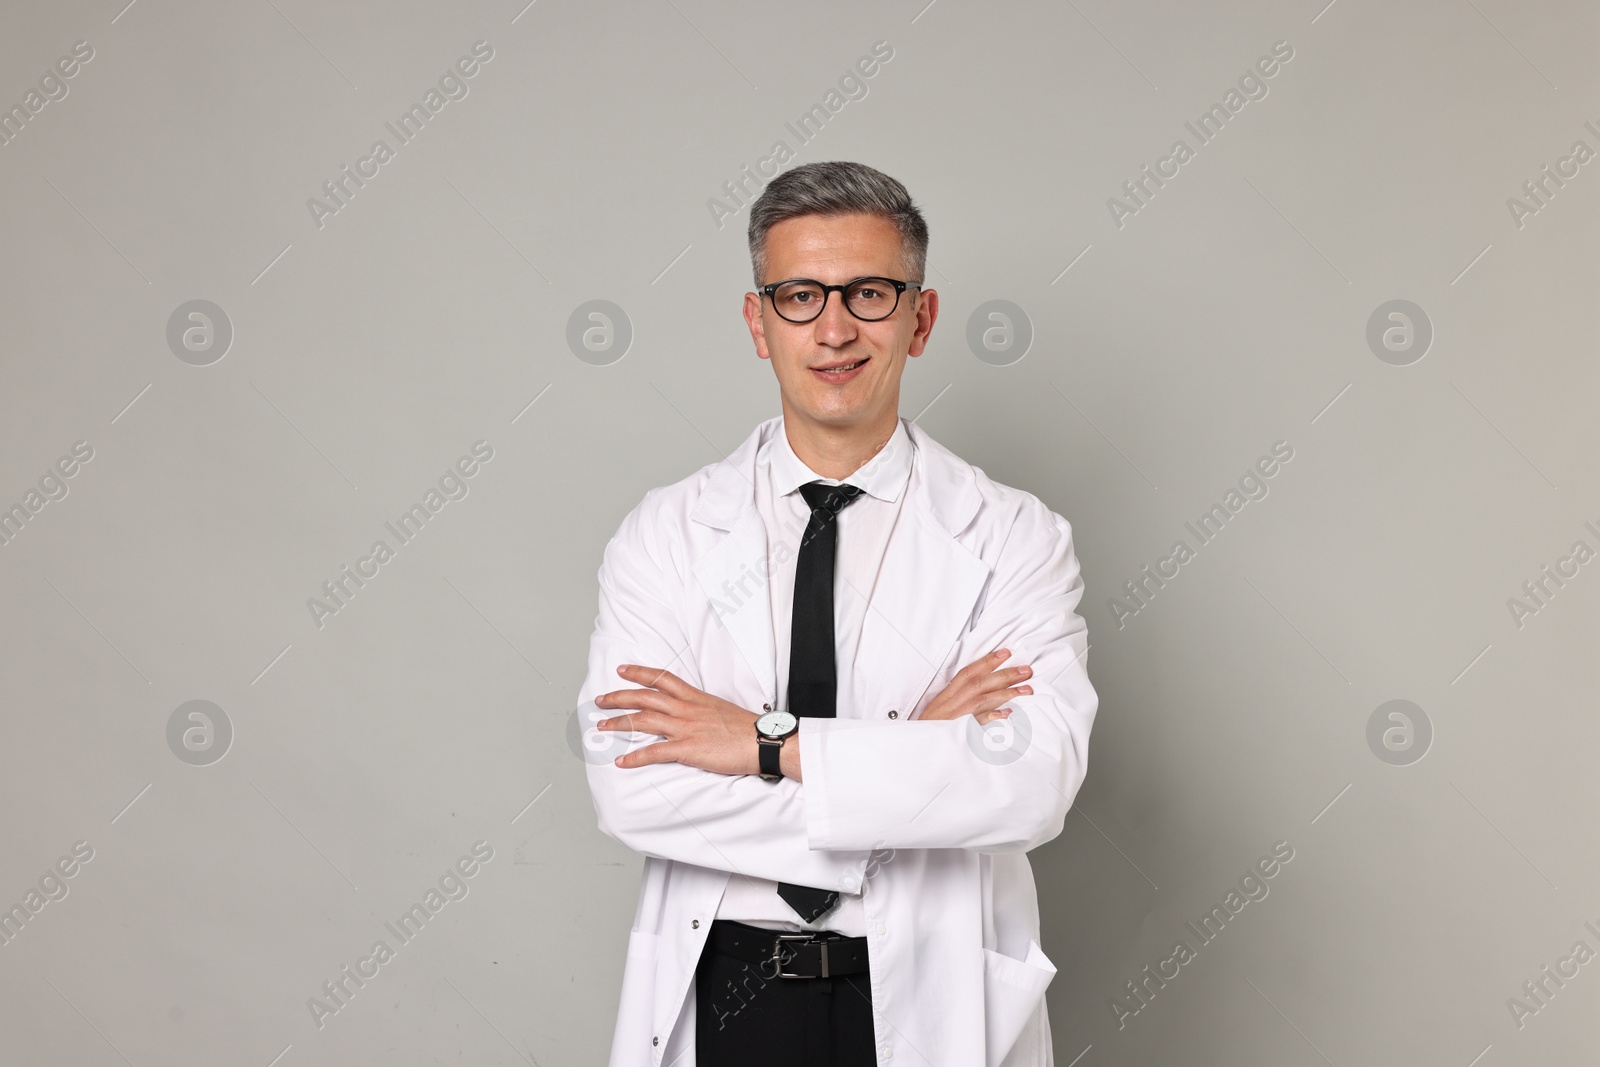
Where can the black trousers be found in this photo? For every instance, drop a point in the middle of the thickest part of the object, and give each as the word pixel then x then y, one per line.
pixel 745 1017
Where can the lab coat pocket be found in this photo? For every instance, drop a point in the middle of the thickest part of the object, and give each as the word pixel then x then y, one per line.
pixel 635 1013
pixel 1012 989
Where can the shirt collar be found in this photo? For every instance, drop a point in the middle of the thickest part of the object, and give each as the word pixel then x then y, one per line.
pixel 882 476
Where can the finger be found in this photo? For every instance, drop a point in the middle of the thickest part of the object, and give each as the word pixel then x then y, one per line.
pixel 979 667
pixel 660 752
pixel 647 722
pixel 976 676
pixel 1001 680
pixel 656 678
pixel 992 701
pixel 643 699
pixel 994 685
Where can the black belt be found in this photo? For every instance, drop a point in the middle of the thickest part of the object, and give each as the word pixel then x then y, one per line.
pixel 820 954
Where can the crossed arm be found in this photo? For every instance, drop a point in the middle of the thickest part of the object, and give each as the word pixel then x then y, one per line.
pixel 705 731
pixel 693 794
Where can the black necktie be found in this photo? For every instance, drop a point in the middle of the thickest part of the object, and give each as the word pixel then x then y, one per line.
pixel 813 678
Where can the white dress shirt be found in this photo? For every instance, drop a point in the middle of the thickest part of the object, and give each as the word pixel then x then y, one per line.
pixel 864 527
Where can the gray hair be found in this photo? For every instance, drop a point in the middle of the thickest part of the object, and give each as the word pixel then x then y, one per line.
pixel 839 188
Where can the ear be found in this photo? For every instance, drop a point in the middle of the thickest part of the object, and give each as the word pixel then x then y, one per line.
pixel 927 314
pixel 752 319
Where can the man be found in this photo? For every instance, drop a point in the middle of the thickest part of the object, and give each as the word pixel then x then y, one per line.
pixel 800 655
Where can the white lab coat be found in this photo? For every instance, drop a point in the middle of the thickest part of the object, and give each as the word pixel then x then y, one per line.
pixel 958 975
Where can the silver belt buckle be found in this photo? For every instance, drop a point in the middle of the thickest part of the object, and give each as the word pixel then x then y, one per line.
pixel 777 955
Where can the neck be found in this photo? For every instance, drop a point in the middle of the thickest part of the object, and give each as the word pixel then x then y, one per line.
pixel 837 451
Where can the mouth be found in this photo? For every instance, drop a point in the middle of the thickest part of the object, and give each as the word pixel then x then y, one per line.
pixel 842 371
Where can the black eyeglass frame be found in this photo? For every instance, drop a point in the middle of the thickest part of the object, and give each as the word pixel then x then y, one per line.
pixel 770 289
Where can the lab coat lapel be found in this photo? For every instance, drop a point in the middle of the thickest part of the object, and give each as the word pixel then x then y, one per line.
pixel 927 587
pixel 733 573
pixel 733 576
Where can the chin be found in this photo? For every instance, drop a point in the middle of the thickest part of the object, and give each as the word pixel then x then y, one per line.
pixel 837 414
pixel 831 405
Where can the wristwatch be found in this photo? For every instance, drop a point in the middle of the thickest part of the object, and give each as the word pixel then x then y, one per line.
pixel 772 729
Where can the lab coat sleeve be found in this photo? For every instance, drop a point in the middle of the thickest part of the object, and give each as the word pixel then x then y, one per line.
pixel 874 782
pixel 737 823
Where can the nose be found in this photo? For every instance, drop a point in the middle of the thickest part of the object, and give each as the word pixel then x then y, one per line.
pixel 835 326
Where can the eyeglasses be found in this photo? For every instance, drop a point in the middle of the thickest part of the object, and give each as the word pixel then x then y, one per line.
pixel 868 299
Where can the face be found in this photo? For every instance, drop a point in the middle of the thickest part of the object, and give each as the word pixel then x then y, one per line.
pixel 835 250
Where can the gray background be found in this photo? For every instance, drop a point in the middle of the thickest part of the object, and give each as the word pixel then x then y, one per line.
pixel 431 312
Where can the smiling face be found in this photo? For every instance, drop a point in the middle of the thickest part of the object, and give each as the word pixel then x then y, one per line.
pixel 858 404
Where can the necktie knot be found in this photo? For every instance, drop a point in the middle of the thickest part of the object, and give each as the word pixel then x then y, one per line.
pixel 833 497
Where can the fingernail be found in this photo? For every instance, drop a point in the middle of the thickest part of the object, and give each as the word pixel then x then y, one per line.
pixel 601 725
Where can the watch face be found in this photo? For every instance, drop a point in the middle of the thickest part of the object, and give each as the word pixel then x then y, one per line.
pixel 776 724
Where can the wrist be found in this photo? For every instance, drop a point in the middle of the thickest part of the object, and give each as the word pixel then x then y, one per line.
pixel 773 732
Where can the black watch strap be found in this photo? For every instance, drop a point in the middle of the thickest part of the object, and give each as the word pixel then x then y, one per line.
pixel 768 755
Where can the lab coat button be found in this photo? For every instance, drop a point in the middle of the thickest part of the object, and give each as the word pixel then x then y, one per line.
pixel 695 925
pixel 655 1040
pixel 893 714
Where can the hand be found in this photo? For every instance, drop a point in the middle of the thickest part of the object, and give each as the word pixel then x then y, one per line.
pixel 978 689
pixel 700 730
